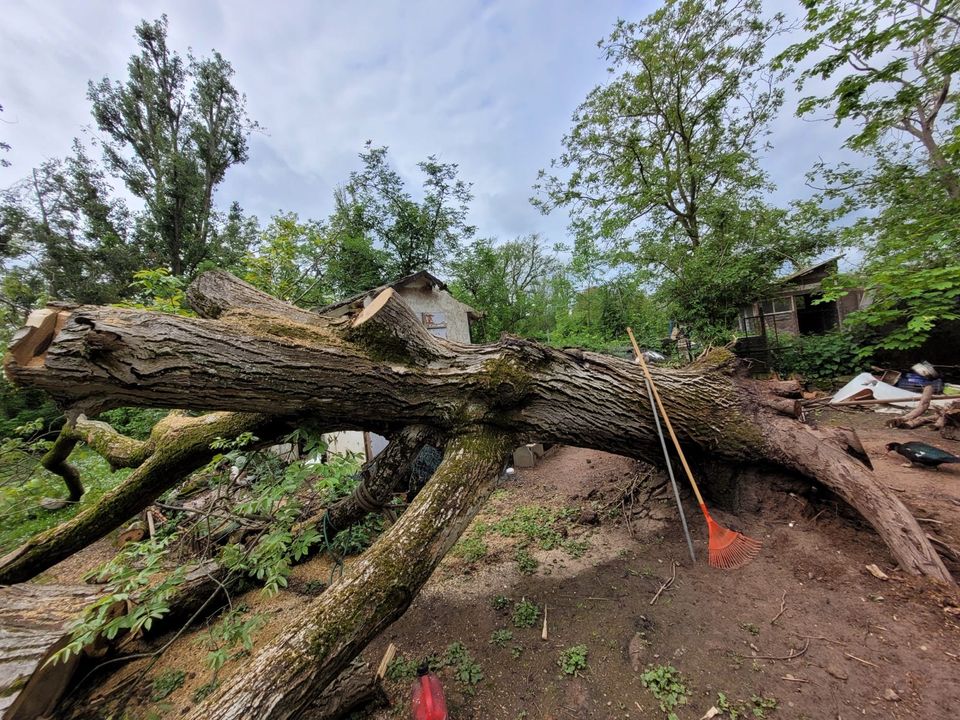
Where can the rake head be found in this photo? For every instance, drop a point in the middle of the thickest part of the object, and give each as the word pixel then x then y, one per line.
pixel 729 549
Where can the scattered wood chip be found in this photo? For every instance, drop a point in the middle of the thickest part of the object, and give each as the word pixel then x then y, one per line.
pixel 386 660
pixel 891 695
pixel 711 713
pixel 543 635
pixel 877 572
pixel 636 648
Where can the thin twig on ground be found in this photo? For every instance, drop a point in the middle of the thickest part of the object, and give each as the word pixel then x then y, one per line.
pixel 861 660
pixel 792 656
pixel 783 606
pixel 668 583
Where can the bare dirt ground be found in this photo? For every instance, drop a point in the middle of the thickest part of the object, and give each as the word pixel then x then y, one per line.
pixel 866 647
pixel 804 626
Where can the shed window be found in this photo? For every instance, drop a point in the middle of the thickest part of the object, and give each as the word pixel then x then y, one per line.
pixel 436 323
pixel 777 305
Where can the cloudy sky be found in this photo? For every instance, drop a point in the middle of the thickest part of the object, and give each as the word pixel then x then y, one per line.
pixel 487 84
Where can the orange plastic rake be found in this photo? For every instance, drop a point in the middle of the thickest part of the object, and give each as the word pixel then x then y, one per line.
pixel 727 549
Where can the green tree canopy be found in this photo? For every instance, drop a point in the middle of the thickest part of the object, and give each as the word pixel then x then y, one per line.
pixel 892 64
pixel 415 234
pixel 662 160
pixel 171 132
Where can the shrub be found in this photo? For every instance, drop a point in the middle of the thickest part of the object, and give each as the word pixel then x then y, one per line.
pixel 819 358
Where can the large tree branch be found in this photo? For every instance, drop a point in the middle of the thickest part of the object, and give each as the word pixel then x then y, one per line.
pixel 327 634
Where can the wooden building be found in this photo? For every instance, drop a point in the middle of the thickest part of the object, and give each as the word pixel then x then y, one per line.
pixel 791 308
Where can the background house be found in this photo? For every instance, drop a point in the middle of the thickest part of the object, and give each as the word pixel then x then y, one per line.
pixel 441 313
pixel 791 308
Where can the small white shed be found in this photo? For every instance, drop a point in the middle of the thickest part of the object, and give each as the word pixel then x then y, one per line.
pixel 441 313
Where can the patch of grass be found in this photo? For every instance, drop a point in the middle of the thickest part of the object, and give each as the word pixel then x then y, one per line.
pixel 516 651
pixel 166 682
pixel 573 660
pixel 500 638
pixel 666 684
pixel 576 548
pixel 525 614
pixel 750 628
pixel 29 483
pixel 759 705
pixel 470 549
pixel 526 563
pixel 534 523
pixel 204 690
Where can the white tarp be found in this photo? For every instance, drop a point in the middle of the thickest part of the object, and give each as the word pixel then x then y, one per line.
pixel 865 386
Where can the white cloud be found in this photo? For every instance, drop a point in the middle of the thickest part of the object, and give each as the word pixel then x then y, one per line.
pixel 490 85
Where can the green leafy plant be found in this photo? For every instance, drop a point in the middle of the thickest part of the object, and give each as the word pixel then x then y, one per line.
pixel 525 614
pixel 231 637
pixel 401 668
pixel 500 602
pixel 166 682
pixel 130 575
pixel 819 358
pixel 573 659
pixel 501 637
pixel 526 563
pixel 666 685
pixel 761 705
pixel 750 628
pixel 470 549
pixel 466 669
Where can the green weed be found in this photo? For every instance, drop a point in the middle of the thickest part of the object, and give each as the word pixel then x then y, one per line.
pixel 500 638
pixel 666 685
pixel 166 682
pixel 525 614
pixel 573 660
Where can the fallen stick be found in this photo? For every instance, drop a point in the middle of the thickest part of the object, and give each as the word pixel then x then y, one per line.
pixel 667 584
pixel 792 656
pixel 818 637
pixel 875 401
pixel 861 660
pixel 783 606
pixel 791 678
pixel 543 635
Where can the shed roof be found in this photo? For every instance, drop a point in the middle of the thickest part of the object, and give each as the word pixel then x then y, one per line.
pixel 798 275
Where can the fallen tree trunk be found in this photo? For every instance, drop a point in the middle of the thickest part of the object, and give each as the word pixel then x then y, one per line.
pixel 382 369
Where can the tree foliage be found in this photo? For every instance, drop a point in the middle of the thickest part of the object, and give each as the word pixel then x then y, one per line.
pixel 892 64
pixel 415 234
pixel 171 132
pixel 662 161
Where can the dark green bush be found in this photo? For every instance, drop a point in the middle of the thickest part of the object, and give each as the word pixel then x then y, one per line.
pixel 819 358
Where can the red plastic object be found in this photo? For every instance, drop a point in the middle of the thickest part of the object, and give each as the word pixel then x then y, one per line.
pixel 427 698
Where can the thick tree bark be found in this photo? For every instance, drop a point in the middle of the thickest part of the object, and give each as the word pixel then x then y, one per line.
pixel 327 634
pixel 367 373
pixel 181 446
